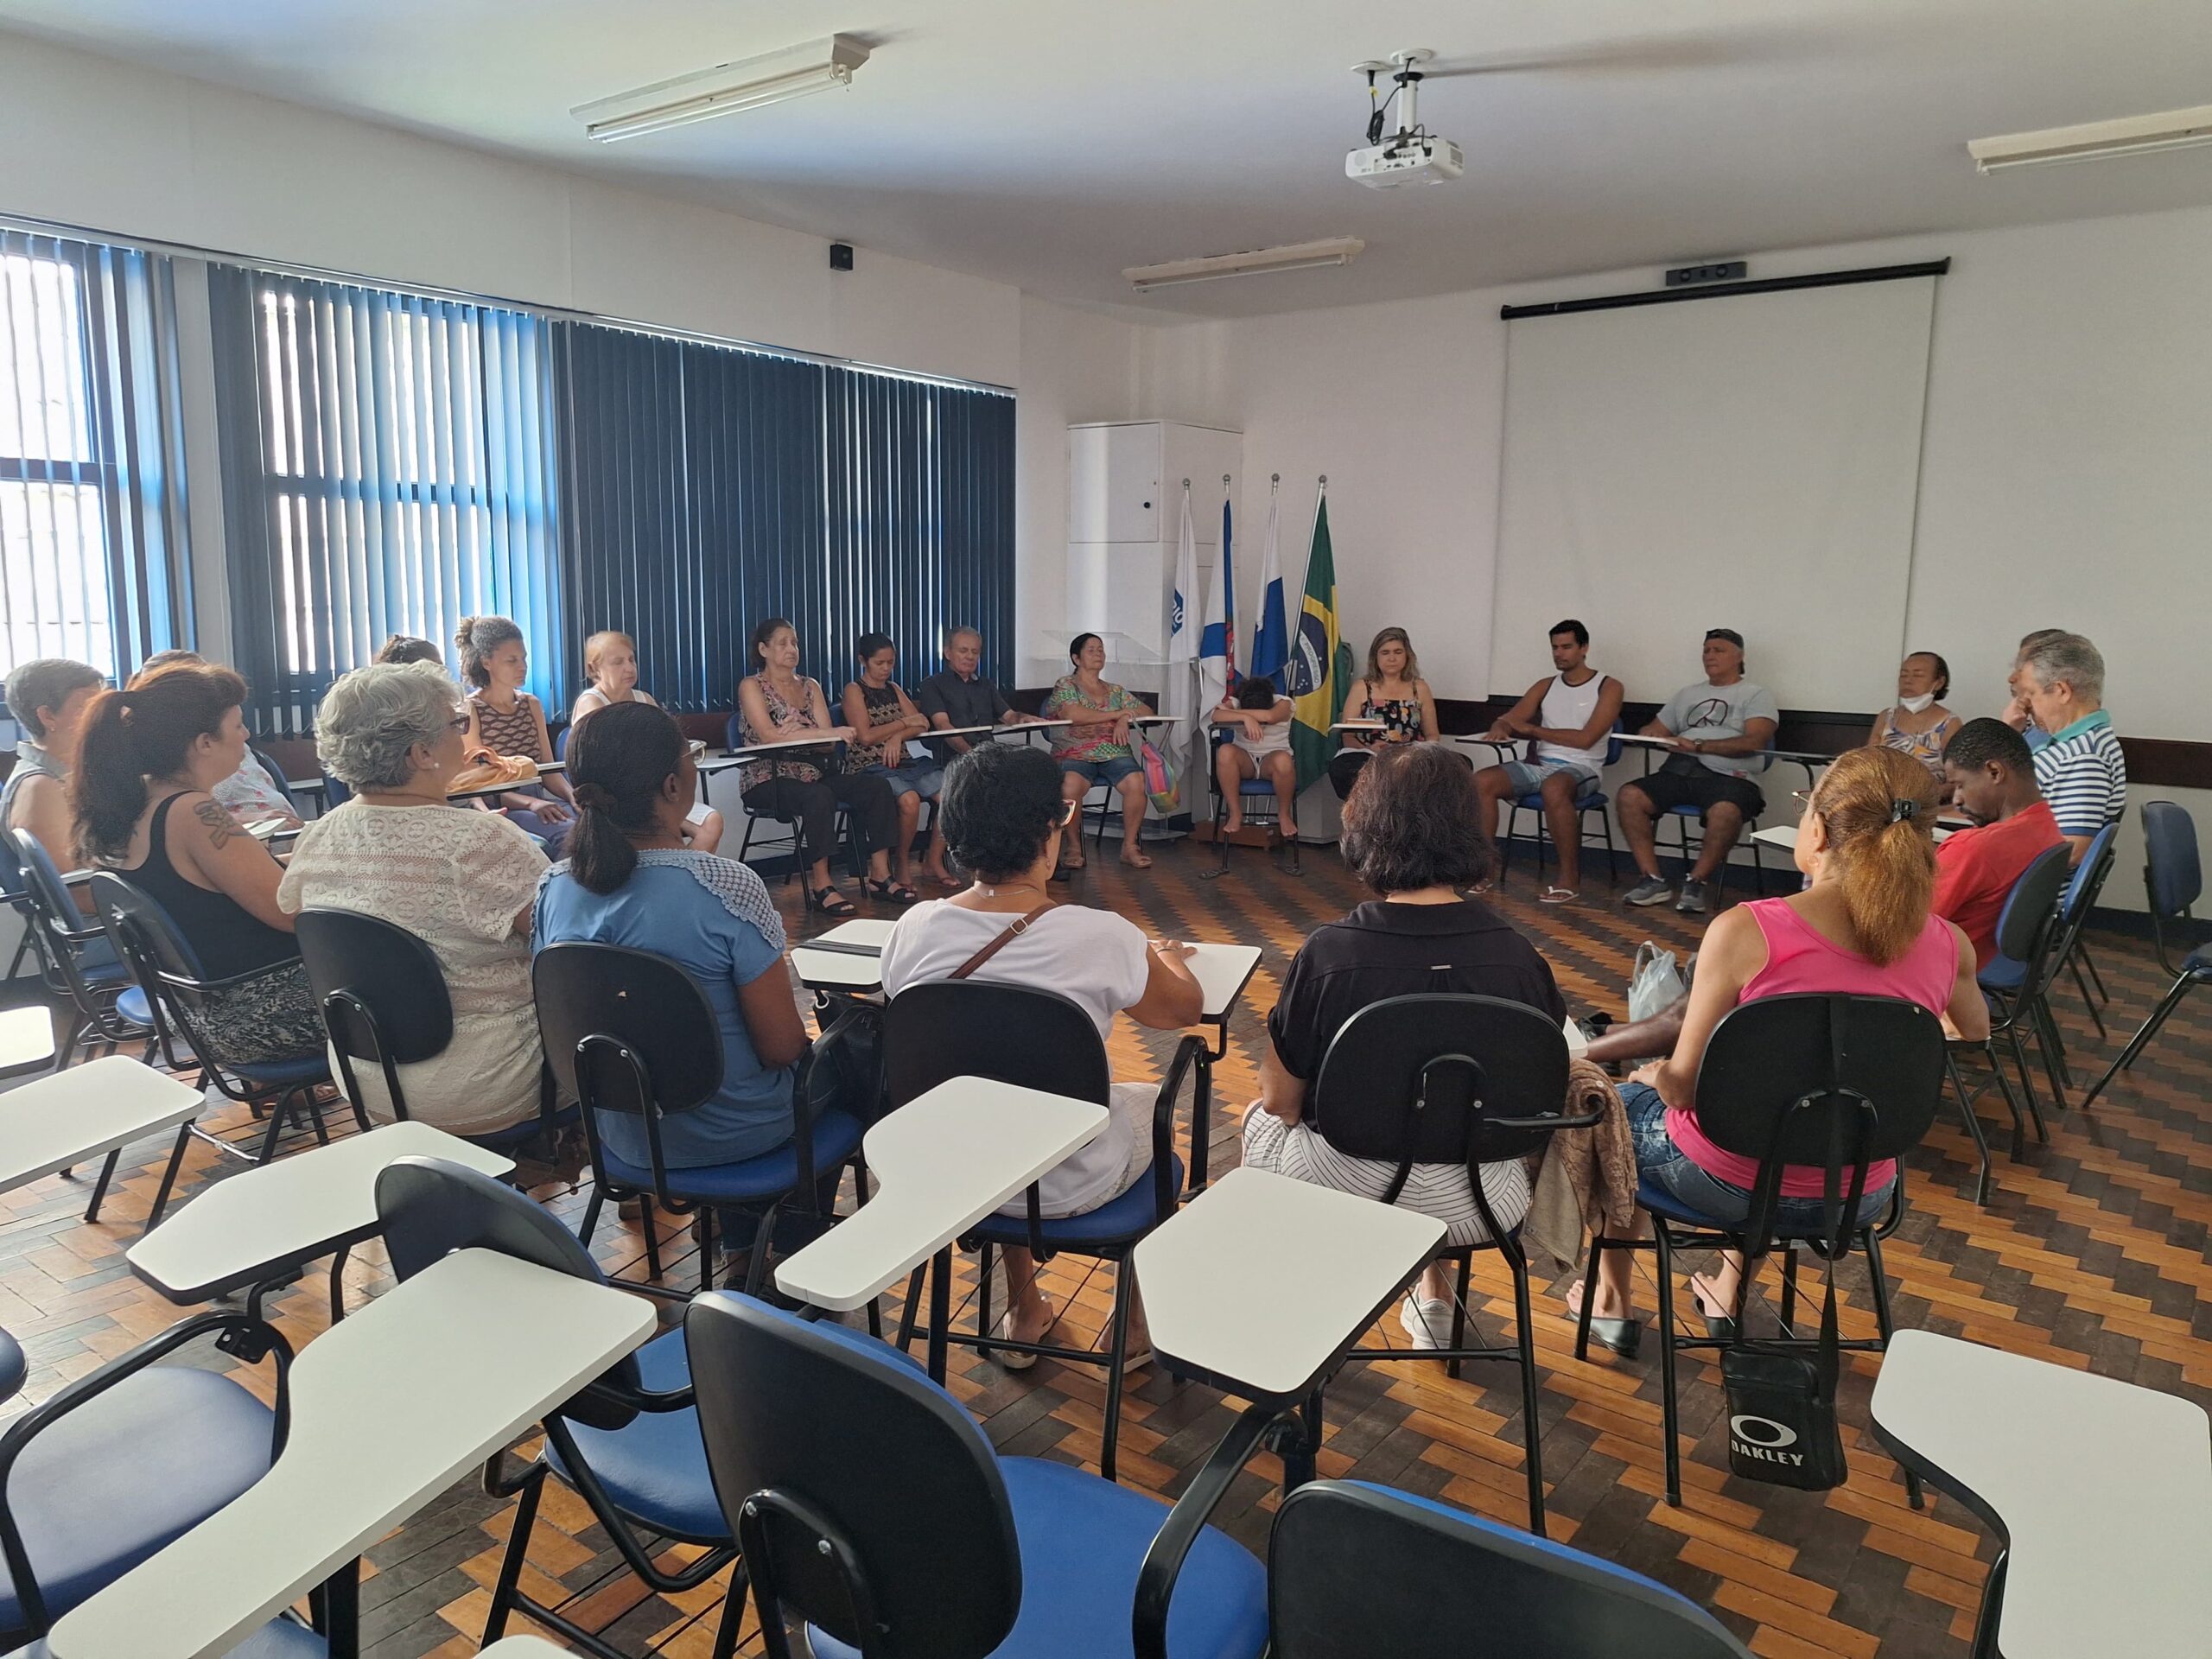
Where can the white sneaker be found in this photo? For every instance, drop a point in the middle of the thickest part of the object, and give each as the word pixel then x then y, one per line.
pixel 1427 1321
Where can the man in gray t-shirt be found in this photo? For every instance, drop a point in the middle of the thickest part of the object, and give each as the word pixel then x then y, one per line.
pixel 1716 728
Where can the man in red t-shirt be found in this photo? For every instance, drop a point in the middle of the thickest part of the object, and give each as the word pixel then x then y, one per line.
pixel 1992 777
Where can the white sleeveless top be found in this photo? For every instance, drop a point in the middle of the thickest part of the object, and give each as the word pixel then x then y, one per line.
pixel 1568 708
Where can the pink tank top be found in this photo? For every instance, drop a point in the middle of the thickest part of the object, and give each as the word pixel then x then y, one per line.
pixel 1799 959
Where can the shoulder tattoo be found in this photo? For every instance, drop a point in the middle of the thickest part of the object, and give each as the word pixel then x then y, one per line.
pixel 221 828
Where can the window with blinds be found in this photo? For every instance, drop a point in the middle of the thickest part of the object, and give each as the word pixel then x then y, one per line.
pixel 388 469
pixel 88 528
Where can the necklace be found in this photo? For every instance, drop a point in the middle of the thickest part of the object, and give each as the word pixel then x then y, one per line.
pixel 1011 887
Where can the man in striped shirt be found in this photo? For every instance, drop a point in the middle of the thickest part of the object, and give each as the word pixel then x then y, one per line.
pixel 2081 770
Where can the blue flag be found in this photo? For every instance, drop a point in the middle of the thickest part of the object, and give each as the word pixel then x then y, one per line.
pixel 1270 635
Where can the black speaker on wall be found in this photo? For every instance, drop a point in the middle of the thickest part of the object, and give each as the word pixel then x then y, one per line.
pixel 841 256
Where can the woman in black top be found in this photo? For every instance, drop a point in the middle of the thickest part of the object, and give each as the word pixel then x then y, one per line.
pixel 1411 832
pixel 148 758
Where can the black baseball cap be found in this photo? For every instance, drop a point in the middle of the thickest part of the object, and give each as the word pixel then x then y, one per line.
pixel 1729 635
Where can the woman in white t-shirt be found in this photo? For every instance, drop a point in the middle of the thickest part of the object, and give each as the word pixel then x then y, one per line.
pixel 1004 815
pixel 611 666
pixel 1257 720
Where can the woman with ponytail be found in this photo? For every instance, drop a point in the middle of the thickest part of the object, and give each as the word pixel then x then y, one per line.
pixel 1862 925
pixel 146 763
pixel 631 880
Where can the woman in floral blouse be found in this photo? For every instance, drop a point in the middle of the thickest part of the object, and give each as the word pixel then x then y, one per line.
pixel 1099 747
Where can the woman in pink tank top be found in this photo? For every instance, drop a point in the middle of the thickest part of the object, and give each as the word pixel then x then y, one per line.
pixel 1862 925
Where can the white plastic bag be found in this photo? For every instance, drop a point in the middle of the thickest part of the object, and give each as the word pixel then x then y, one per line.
pixel 1654 984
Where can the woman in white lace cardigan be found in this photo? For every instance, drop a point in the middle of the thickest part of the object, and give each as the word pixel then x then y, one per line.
pixel 462 882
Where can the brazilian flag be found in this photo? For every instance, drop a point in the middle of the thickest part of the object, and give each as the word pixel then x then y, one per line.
pixel 1320 668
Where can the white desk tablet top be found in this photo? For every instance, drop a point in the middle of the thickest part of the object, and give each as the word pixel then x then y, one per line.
pixel 1784 835
pixel 1357 725
pixel 866 931
pixel 50 1123
pixel 1262 1281
pixel 26 1040
pixel 1577 1044
pixel 836 970
pixel 522 1647
pixel 2105 1490
pixel 1223 971
pixel 942 1162
pixel 292 1211
pixel 389 1409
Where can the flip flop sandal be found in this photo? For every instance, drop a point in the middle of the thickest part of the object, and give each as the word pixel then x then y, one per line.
pixel 1557 896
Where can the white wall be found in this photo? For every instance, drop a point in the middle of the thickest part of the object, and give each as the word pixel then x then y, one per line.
pixel 2066 479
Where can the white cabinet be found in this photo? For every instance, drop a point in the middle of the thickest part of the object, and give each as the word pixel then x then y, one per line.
pixel 1125 498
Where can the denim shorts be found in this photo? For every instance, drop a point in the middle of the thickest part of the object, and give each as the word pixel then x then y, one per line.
pixel 1527 777
pixel 922 777
pixel 1661 1162
pixel 1109 772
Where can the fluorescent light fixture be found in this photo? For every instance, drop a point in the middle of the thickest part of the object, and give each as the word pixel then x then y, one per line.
pixel 1296 256
pixel 746 85
pixel 2137 135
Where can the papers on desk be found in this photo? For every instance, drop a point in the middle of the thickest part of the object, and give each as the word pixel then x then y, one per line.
pixel 1784 835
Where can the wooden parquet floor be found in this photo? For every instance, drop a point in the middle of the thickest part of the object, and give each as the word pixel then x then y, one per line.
pixel 2092 1253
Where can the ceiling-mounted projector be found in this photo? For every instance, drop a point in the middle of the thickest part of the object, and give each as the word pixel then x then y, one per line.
pixel 1412 154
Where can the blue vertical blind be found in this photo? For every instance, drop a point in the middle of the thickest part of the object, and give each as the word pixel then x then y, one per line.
pixel 389 468
pixel 707 488
pixel 392 463
pixel 90 529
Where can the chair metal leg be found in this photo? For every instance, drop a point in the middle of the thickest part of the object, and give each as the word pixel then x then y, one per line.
pixel 511 1564
pixel 983 1296
pixel 1879 1277
pixel 1460 1309
pixel 168 1178
pixel 337 1284
pixel 2088 1001
pixel 910 1310
pixel 1789 1282
pixel 591 1212
pixel 1598 1246
pixel 2083 959
pixel 2148 1029
pixel 756 1265
pixel 1669 1401
pixel 1531 1415
pixel 1117 1354
pixel 99 1186
pixel 1973 1129
pixel 649 1203
pixel 2054 1054
pixel 2020 1062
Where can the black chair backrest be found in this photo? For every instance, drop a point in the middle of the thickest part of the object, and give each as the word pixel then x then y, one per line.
pixel 634 1014
pixel 49 893
pixel 2024 925
pixel 381 990
pixel 144 934
pixel 430 1208
pixel 833 1441
pixel 276 777
pixel 1827 1079
pixel 1010 1033
pixel 2173 875
pixel 1357 1570
pixel 1428 1079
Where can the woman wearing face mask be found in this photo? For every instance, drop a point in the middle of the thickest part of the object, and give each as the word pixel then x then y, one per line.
pixel 1919 725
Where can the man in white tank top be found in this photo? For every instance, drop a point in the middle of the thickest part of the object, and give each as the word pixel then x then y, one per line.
pixel 1568 720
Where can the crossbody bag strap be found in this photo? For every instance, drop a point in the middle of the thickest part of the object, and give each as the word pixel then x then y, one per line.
pixel 1021 924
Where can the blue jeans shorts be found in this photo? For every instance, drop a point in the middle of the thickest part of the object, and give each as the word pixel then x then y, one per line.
pixel 1527 777
pixel 1109 772
pixel 1661 1162
pixel 922 777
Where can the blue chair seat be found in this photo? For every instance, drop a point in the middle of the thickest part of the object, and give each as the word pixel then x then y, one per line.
pixel 2003 974
pixel 126 1474
pixel 517 1135
pixel 1081 1541
pixel 1256 786
pixel 12 1366
pixel 655 1469
pixel 2199 962
pixel 770 1175
pixel 1131 1215
pixel 1589 803
pixel 133 1006
pixel 283 1074
pixel 280 1638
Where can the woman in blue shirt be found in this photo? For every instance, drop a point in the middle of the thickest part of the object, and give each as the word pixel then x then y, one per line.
pixel 629 880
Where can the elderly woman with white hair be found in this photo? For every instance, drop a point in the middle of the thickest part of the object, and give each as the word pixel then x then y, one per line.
pixel 462 882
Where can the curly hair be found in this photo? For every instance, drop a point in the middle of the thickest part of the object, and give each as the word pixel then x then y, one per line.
pixel 1414 820
pixel 371 720
pixel 476 638
pixel 1000 807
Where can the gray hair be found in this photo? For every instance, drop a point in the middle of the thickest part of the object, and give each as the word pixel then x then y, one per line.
pixel 46 683
pixel 371 717
pixel 2069 658
pixel 965 630
pixel 477 639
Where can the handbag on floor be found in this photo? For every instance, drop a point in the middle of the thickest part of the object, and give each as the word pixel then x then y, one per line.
pixel 1782 1421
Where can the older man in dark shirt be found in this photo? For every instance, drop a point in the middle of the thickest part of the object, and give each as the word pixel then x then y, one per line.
pixel 958 695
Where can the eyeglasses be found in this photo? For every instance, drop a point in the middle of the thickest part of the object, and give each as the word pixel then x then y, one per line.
pixel 459 723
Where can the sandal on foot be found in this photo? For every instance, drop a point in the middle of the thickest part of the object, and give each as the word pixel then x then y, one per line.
pixel 830 902
pixel 1622 1336
pixel 1137 860
pixel 891 892
pixel 1557 896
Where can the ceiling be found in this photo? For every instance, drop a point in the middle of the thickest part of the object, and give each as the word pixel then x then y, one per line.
pixel 1049 144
